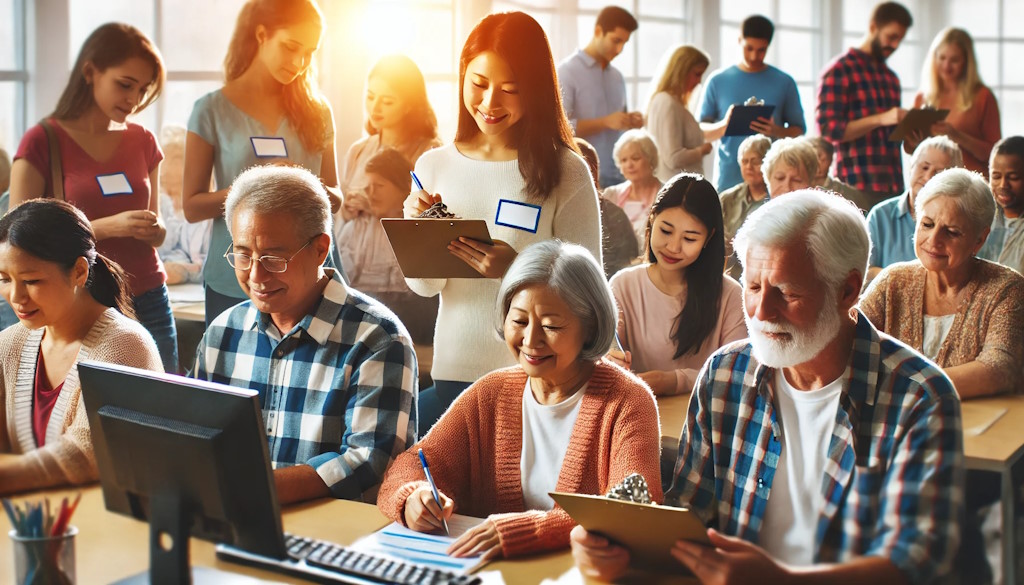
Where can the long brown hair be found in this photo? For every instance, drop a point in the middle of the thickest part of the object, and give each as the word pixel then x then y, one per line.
pixel 108 46
pixel 543 130
pixel 304 105
pixel 402 74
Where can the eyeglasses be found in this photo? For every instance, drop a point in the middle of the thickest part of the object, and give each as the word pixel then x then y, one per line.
pixel 270 263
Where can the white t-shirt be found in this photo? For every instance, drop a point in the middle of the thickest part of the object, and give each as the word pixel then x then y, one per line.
pixel 546 433
pixel 795 503
pixel 935 331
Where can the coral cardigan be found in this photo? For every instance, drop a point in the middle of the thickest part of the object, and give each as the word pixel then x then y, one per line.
pixel 475 451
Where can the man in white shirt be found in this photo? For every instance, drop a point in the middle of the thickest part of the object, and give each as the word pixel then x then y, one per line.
pixel 819 448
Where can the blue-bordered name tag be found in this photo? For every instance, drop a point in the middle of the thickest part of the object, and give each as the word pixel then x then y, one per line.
pixel 521 216
pixel 114 184
pixel 269 146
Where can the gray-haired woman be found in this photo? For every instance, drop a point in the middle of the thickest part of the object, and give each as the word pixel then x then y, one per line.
pixel 563 419
pixel 965 313
pixel 636 156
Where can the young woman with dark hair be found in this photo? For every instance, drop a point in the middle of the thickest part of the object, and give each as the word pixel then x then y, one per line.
pixel 513 149
pixel 111 166
pixel 269 110
pixel 678 307
pixel 72 304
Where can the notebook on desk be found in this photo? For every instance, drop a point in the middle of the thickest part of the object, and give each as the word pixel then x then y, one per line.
pixel 403 544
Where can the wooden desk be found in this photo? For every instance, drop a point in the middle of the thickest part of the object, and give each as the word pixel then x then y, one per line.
pixel 110 546
pixel 672 414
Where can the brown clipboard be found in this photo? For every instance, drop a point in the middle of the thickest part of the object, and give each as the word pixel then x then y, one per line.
pixel 421 245
pixel 917 119
pixel 647 531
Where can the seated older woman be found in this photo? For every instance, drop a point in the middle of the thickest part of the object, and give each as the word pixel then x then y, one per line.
pixel 562 420
pixel 740 201
pixel 965 313
pixel 637 158
pixel 826 154
pixel 790 164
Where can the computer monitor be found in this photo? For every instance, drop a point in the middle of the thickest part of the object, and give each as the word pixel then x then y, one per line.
pixel 187 455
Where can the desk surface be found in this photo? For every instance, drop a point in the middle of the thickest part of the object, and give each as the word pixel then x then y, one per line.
pixel 110 546
pixel 999 446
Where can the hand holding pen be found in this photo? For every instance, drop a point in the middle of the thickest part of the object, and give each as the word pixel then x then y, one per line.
pixel 427 509
pixel 420 200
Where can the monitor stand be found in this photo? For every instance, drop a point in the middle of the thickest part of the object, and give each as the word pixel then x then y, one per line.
pixel 170 565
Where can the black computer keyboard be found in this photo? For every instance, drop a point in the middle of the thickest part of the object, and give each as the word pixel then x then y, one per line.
pixel 328 562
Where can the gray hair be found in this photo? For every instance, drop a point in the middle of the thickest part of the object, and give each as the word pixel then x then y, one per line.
pixel 833 229
pixel 798 153
pixel 571 271
pixel 943 144
pixel 967 189
pixel 641 138
pixel 277 190
pixel 759 143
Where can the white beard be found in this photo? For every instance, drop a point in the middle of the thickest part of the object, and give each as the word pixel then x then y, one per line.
pixel 802 346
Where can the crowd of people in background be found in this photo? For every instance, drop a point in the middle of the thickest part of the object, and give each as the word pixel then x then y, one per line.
pixel 820 302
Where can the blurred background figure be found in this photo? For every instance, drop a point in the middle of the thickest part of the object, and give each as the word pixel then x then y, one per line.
pixel 618 249
pixel 740 201
pixel 824 178
pixel 682 144
pixel 637 158
pixel 186 244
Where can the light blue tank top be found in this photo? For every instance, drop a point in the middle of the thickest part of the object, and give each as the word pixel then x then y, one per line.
pixel 228 129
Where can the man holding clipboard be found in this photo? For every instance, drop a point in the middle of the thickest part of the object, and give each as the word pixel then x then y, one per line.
pixel 733 85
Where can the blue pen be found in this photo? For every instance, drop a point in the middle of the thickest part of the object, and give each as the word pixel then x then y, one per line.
pixel 430 478
pixel 419 186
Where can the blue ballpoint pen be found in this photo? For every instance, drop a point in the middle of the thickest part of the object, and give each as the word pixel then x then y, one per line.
pixel 430 480
pixel 416 180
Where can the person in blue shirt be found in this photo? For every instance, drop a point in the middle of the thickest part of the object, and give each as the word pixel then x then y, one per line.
pixel 733 85
pixel 594 92
pixel 891 223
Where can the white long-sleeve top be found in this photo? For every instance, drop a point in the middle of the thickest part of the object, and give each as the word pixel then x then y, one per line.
pixel 466 345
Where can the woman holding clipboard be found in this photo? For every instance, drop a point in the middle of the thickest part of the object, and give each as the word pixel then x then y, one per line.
pixel 269 111
pixel 513 152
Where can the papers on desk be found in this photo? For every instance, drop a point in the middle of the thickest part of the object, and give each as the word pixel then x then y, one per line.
pixel 186 293
pixel 400 543
pixel 978 417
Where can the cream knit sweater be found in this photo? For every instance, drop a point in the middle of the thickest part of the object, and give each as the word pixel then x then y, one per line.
pixel 67 455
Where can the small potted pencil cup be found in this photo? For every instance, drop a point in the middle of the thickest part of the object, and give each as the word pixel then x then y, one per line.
pixel 43 543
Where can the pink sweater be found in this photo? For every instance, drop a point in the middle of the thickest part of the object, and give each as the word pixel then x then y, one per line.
pixel 474 453
pixel 647 317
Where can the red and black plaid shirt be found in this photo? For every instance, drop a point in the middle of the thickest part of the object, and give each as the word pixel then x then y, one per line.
pixel 853 86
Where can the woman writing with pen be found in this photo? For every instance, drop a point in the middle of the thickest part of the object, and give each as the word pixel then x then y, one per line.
pixel 563 419
pixel 513 154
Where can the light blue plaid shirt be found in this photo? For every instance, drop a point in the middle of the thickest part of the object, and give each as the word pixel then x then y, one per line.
pixel 338 391
pixel 894 479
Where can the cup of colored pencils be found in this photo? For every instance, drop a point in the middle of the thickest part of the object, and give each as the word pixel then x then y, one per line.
pixel 44 541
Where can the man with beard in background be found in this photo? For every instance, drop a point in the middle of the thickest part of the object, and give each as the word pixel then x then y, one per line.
pixel 820 447
pixel 859 106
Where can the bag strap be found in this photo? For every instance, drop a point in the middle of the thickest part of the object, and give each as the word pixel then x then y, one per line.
pixel 56 170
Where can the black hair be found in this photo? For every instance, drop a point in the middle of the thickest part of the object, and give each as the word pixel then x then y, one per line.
pixel 543 130
pixel 1011 145
pixel 887 12
pixel 56 231
pixel 696 196
pixel 613 17
pixel 758 27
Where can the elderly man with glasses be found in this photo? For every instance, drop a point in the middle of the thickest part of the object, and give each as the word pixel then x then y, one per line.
pixel 335 369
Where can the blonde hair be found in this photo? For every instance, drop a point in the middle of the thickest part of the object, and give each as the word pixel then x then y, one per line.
pixel 676 68
pixel 969 82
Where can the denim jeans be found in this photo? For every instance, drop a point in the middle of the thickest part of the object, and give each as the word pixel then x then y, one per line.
pixel 153 311
pixel 434 402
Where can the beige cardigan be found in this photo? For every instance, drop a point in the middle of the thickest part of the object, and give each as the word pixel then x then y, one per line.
pixel 67 455
pixel 989 323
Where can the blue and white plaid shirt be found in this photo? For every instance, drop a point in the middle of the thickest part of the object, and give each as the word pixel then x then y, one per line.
pixel 338 391
pixel 893 483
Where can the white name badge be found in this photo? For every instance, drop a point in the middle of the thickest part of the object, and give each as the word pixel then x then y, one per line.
pixel 114 184
pixel 522 216
pixel 269 146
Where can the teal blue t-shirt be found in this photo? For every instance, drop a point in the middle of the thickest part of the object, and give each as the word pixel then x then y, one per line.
pixel 229 131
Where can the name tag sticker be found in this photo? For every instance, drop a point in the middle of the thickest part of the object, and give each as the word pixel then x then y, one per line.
pixel 114 184
pixel 268 146
pixel 521 216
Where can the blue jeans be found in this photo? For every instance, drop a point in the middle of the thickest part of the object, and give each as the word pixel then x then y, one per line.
pixel 434 402
pixel 153 310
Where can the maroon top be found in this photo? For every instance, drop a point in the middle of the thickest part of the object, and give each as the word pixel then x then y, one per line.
pixel 43 400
